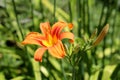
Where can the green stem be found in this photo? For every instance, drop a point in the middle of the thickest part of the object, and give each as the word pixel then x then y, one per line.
pixel 79 17
pixel 84 15
pixel 36 68
pixel 42 11
pixel 88 15
pixel 70 12
pixel 54 10
pixel 115 74
pixel 6 8
pixel 73 73
pixel 32 14
pixel 113 28
pixel 14 7
pixel 81 54
pixel 73 67
pixel 101 18
pixel 29 64
pixel 63 70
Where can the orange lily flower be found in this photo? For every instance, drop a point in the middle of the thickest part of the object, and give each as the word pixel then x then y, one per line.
pixel 50 39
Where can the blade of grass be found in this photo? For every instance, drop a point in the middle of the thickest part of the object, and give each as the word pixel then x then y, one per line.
pixel 2 76
pixel 101 18
pixel 36 69
pixel 88 17
pixel 79 17
pixel 60 14
pixel 42 11
pixel 54 11
pixel 32 14
pixel 28 62
pixel 63 71
pixel 19 27
pixel 70 11
pixel 113 28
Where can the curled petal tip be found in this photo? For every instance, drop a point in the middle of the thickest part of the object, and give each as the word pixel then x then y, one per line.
pixel 71 41
pixel 39 53
pixel 40 60
pixel 23 43
pixel 70 25
pixel 68 35
pixel 63 56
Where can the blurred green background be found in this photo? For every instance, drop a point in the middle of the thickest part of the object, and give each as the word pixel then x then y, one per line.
pixel 19 17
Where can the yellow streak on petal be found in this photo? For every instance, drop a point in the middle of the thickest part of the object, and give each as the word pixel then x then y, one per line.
pixel 57 50
pixel 46 43
pixel 50 41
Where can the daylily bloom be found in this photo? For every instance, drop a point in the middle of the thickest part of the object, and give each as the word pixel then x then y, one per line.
pixel 50 39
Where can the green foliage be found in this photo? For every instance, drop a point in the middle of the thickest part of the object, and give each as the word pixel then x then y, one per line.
pixel 19 17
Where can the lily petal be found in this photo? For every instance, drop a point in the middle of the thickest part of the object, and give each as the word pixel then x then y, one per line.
pixel 68 35
pixel 70 25
pixel 45 28
pixel 57 27
pixel 39 53
pixel 57 50
pixel 33 38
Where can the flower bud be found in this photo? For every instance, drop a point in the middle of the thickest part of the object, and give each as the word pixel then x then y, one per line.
pixel 101 35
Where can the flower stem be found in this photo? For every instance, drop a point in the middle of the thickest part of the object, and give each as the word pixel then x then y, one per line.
pixel 54 10
pixel 70 11
pixel 73 72
pixel 28 63
pixel 15 11
pixel 63 70
pixel 36 68
pixel 32 14
pixel 73 68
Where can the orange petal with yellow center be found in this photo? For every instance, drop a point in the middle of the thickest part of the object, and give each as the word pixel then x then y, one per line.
pixel 39 53
pixel 33 38
pixel 57 50
pixel 68 35
pixel 45 28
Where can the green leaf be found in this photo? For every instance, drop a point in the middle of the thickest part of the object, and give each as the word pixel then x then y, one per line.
pixel 18 78
pixel 55 63
pixel 108 70
pixel 95 75
pixel 36 69
pixel 44 71
pixel 56 75
pixel 115 59
pixel 60 14
pixel 2 77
